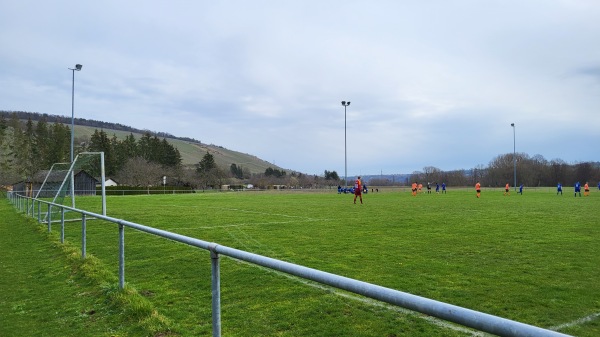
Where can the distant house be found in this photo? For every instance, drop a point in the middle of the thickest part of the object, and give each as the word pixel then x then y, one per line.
pixel 85 184
pixel 107 182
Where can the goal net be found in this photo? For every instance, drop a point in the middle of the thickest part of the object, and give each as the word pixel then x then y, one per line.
pixel 66 181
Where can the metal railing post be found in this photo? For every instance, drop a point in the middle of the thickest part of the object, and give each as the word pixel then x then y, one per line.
pixel 62 225
pixel 39 209
pixel 121 256
pixel 83 243
pixel 49 218
pixel 216 293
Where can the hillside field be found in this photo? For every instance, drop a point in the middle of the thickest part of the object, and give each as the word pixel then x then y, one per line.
pixel 532 258
pixel 192 153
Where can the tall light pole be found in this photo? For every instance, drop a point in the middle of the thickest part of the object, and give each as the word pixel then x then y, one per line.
pixel 345 104
pixel 514 154
pixel 78 68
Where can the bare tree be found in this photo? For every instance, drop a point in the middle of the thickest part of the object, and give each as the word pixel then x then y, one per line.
pixel 431 174
pixel 139 172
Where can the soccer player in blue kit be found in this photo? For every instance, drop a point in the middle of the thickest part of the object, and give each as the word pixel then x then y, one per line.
pixel 559 189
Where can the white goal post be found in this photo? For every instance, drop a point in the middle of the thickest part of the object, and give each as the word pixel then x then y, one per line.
pixel 76 178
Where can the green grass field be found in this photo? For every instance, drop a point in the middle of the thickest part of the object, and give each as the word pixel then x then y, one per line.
pixel 531 258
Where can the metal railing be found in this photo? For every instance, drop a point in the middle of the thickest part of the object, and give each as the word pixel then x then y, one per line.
pixel 466 317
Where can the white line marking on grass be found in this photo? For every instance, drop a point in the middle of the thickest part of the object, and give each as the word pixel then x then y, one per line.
pixel 236 225
pixel 248 224
pixel 576 322
pixel 371 302
pixel 265 213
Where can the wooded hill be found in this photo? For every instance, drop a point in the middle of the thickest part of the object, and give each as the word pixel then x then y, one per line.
pixel 191 150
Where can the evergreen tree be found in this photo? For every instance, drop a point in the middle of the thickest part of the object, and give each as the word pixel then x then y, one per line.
pixel 331 175
pixel 3 127
pixel 5 159
pixel 274 172
pixel 125 150
pixel 208 172
pixel 237 171
pixel 206 164
pixel 170 155
pixel 59 144
pixel 14 146
pixel 99 142
pixel 130 147
pixel 144 146
pixel 25 153
pixel 41 145
pixel 156 151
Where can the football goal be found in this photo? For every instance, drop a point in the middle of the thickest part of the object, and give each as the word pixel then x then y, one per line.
pixel 64 181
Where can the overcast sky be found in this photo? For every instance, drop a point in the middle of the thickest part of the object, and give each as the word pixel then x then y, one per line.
pixel 431 83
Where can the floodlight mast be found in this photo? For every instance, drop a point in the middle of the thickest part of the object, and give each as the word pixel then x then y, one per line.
pixel 514 154
pixel 77 68
pixel 345 104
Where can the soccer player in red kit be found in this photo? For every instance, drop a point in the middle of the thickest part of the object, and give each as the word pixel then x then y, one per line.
pixel 358 190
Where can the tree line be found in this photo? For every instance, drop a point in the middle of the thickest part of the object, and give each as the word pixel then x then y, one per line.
pixel 530 171
pixel 27 147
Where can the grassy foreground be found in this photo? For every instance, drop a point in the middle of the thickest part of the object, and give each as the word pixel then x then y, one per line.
pixel 531 258
pixel 47 290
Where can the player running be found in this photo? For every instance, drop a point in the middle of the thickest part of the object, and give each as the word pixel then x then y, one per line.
pixel 507 189
pixel 414 189
pixel 577 189
pixel 478 189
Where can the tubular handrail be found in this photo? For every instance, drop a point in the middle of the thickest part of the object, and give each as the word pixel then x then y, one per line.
pixel 463 316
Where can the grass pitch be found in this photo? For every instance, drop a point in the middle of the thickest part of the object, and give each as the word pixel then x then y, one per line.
pixel 531 258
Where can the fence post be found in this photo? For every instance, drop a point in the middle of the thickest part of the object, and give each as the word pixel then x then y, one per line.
pixel 39 211
pixel 83 235
pixel 62 225
pixel 216 292
pixel 49 218
pixel 121 256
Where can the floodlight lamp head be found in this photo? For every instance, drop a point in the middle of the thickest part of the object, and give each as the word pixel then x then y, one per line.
pixel 78 67
pixel 348 103
pixel 343 102
pixel 512 124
